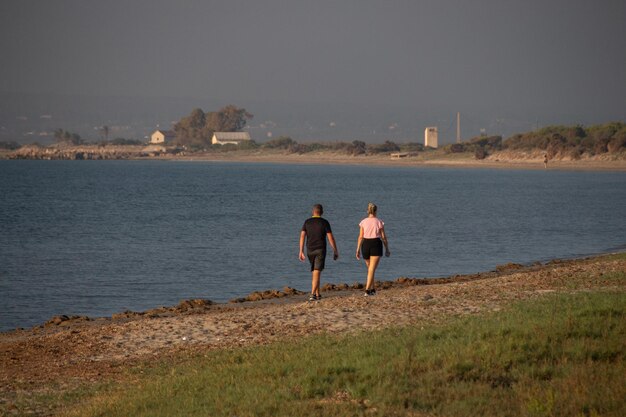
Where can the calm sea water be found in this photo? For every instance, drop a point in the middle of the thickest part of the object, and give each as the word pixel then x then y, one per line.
pixel 98 237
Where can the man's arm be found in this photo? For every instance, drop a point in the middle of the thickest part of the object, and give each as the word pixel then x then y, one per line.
pixel 302 238
pixel 331 240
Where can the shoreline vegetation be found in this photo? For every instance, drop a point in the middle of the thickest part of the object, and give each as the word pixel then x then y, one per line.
pixel 598 147
pixel 541 339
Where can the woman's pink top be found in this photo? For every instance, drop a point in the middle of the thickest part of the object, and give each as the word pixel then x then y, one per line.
pixel 371 227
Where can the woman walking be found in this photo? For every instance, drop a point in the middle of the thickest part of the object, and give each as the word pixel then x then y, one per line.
pixel 371 239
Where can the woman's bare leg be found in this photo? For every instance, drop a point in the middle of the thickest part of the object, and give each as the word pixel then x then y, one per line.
pixel 372 264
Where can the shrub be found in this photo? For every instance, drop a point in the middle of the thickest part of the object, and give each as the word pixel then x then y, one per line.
pixel 122 141
pixel 388 146
pixel 480 153
pixel 570 140
pixel 616 144
pixel 411 147
pixel 282 142
pixel 356 148
pixel 248 144
pixel 454 148
pixel 11 145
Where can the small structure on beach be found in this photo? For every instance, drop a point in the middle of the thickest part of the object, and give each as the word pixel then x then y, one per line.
pixel 430 137
pixel 162 137
pixel 230 138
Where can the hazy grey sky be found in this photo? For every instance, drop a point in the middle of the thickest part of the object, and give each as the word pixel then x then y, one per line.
pixel 522 58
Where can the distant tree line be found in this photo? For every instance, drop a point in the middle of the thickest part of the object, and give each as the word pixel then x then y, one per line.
pixel 555 141
pixel 9 145
pixel 480 146
pixel 355 147
pixel 70 138
pixel 65 136
pixel 572 141
pixel 196 130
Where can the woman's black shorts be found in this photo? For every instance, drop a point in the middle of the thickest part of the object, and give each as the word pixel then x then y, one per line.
pixel 372 247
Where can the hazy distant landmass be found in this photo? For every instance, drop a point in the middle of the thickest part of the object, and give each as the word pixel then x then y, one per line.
pixel 599 146
pixel 28 118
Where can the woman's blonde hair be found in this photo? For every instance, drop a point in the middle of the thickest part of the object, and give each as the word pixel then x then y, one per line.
pixel 371 208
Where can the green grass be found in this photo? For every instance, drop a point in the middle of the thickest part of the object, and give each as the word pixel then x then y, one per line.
pixel 616 256
pixel 559 356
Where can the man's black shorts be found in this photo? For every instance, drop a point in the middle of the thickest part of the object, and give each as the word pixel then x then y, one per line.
pixel 372 247
pixel 317 258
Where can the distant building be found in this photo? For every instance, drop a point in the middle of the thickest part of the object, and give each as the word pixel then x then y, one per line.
pixel 162 136
pixel 430 137
pixel 232 138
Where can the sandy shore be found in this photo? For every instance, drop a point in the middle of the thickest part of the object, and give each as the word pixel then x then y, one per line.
pixel 78 352
pixel 421 160
pixel 438 158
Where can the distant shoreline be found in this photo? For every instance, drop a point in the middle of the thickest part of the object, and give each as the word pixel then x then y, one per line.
pixel 436 159
pixel 387 161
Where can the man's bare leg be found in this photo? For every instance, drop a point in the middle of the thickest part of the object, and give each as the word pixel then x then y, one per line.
pixel 315 282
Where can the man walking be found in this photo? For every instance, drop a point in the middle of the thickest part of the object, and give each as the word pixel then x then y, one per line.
pixel 314 231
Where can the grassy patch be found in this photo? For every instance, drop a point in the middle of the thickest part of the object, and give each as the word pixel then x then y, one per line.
pixel 560 356
pixel 616 256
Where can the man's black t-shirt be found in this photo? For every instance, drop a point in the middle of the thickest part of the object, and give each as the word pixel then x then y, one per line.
pixel 316 229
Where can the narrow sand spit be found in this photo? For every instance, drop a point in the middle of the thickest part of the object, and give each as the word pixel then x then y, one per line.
pixel 95 350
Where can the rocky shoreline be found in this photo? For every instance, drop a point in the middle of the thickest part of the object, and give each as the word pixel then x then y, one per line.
pixel 87 152
pixel 195 306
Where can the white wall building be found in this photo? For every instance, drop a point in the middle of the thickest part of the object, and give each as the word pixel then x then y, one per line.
pixel 162 136
pixel 430 137
pixel 233 138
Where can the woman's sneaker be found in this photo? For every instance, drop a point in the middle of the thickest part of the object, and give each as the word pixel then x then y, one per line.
pixel 370 293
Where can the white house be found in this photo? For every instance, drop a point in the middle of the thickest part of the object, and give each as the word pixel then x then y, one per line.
pixel 162 136
pixel 234 138
pixel 430 137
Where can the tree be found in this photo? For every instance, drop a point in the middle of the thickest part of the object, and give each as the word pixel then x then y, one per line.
pixel 64 136
pixel 198 127
pixel 189 130
pixel 105 132
pixel 228 119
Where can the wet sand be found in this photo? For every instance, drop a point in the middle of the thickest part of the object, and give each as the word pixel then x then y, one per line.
pixel 75 352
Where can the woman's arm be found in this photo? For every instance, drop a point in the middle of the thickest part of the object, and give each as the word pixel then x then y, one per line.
pixel 383 237
pixel 358 244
